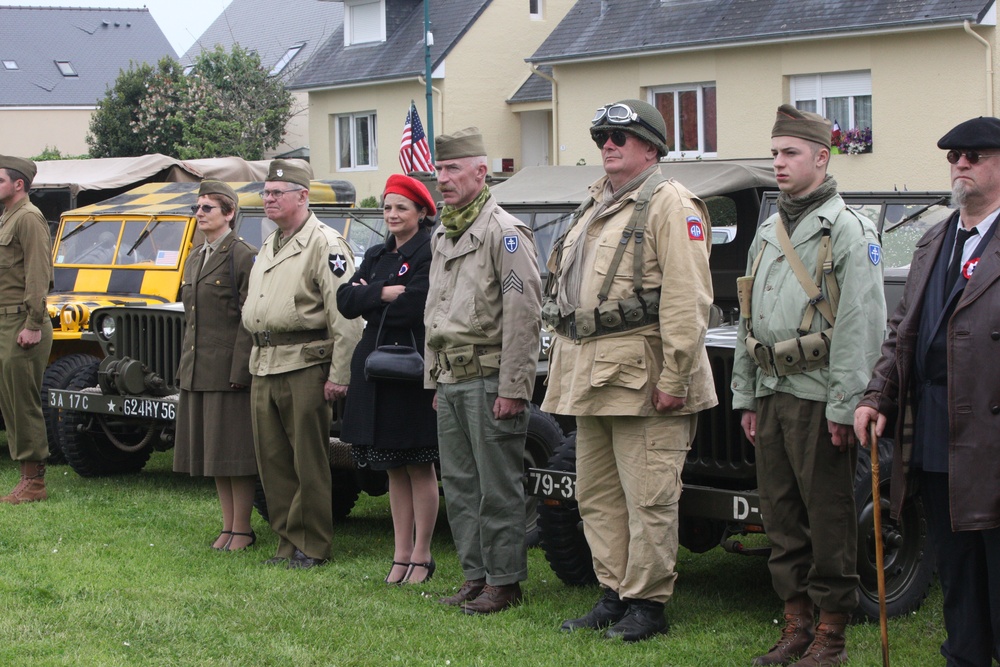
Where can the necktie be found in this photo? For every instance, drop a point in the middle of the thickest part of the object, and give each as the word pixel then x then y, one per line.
pixel 208 253
pixel 956 262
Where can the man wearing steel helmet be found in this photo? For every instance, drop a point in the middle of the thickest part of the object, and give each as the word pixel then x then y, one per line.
pixel 812 319
pixel 932 367
pixel 628 298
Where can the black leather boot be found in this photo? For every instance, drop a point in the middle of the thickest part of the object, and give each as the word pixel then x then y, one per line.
pixel 644 619
pixel 609 610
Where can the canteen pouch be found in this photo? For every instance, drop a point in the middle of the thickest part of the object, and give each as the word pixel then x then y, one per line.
pixel 463 362
pixel 744 291
pixel 801 355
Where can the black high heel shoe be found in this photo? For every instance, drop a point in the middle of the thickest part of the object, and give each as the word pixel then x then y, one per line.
pixel 221 533
pixel 397 582
pixel 430 567
pixel 253 540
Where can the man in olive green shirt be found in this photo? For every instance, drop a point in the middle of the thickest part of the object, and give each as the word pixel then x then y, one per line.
pixel 25 327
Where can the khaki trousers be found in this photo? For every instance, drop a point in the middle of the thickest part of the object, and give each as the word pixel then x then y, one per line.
pixel 482 469
pixel 628 488
pixel 291 433
pixel 20 389
pixel 806 490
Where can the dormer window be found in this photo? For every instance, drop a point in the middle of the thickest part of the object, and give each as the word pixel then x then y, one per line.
pixel 287 58
pixel 66 68
pixel 364 21
pixel 10 64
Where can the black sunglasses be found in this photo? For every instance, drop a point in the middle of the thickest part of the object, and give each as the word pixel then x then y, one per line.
pixel 972 156
pixel 207 208
pixel 601 137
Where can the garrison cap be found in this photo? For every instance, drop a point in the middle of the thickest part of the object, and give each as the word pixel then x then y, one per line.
pixel 464 143
pixel 283 170
pixel 649 114
pixel 25 166
pixel 792 122
pixel 982 132
pixel 217 188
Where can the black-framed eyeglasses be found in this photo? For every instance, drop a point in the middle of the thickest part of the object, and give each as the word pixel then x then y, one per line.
pixel 972 156
pixel 623 114
pixel 207 208
pixel 618 137
pixel 264 194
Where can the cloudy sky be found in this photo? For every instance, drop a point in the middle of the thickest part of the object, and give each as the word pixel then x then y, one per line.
pixel 182 21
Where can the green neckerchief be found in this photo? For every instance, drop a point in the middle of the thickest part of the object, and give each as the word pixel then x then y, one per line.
pixel 456 220
pixel 793 209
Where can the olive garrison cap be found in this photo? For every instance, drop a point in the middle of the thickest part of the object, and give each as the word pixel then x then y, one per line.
pixel 217 188
pixel 283 170
pixel 649 114
pixel 982 132
pixel 792 122
pixel 464 143
pixel 26 167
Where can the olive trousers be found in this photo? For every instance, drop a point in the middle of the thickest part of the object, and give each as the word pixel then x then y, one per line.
pixel 482 469
pixel 291 432
pixel 628 487
pixel 21 373
pixel 806 490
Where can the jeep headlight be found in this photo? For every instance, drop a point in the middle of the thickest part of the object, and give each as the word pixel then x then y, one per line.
pixel 106 327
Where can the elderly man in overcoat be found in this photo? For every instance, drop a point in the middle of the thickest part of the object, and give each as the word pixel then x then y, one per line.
pixel 934 368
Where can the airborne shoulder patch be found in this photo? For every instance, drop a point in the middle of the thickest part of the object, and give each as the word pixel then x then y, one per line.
pixel 696 232
pixel 338 264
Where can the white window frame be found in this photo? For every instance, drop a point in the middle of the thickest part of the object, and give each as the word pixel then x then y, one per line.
pixel 66 68
pixel 817 88
pixel 290 54
pixel 372 118
pixel 352 14
pixel 676 129
pixel 538 13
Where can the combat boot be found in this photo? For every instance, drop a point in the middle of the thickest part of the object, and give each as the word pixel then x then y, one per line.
pixel 796 636
pixel 829 647
pixel 643 620
pixel 31 487
pixel 609 610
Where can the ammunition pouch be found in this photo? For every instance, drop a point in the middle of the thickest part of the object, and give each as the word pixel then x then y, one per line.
pixel 550 313
pixel 744 293
pixel 792 356
pixel 638 310
pixel 467 361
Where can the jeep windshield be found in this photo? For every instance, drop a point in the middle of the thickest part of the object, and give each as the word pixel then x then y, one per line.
pixel 108 241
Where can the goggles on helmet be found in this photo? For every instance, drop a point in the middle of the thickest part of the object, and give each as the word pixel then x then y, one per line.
pixel 623 114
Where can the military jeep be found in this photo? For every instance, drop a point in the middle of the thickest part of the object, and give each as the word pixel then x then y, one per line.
pixel 719 502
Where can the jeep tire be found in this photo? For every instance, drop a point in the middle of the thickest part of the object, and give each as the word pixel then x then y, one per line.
pixel 58 375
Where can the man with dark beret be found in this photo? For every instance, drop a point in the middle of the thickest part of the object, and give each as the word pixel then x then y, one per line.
pixel 943 331
pixel 300 362
pixel 812 319
pixel 25 327
pixel 482 323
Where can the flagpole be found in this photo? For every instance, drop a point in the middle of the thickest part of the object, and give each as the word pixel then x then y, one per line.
pixel 413 108
pixel 428 41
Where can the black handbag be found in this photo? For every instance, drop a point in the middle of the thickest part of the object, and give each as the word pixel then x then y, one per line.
pixel 394 363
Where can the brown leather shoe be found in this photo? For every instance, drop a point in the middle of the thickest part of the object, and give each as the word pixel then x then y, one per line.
pixel 31 488
pixel 829 648
pixel 795 636
pixel 469 591
pixel 494 599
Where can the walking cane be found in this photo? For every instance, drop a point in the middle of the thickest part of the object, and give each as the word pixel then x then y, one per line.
pixel 879 556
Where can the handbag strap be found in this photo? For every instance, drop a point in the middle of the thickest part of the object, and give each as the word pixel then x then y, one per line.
pixel 381 322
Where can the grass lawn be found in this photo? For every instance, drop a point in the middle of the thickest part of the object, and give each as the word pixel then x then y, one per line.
pixel 118 571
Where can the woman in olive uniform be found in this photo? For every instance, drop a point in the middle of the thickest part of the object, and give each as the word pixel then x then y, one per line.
pixel 214 436
pixel 392 425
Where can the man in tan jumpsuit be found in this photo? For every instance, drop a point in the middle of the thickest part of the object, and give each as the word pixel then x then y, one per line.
pixel 629 298
pixel 301 361
pixel 25 328
pixel 482 323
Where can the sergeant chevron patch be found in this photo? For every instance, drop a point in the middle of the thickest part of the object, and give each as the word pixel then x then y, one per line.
pixel 513 282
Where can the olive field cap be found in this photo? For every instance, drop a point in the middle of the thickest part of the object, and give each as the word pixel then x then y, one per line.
pixel 636 117
pixel 464 143
pixel 217 188
pixel 792 122
pixel 982 132
pixel 283 170
pixel 26 167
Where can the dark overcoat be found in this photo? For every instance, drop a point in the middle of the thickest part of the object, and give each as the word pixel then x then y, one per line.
pixel 384 414
pixel 973 387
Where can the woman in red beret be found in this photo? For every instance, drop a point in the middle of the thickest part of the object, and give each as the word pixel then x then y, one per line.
pixel 392 425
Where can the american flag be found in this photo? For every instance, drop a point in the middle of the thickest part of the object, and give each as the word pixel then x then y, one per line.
pixel 414 153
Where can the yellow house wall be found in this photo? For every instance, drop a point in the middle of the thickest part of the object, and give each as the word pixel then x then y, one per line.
pixel 28 131
pixel 923 83
pixel 484 69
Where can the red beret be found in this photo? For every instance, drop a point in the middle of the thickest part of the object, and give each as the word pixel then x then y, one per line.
pixel 412 189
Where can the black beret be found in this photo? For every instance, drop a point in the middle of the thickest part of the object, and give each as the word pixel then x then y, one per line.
pixel 982 132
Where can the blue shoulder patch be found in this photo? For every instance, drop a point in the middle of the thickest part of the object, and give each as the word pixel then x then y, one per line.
pixel 511 242
pixel 875 253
